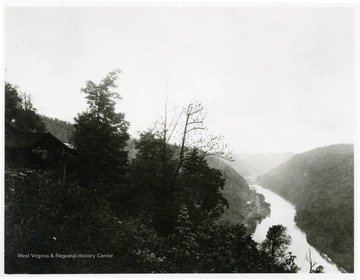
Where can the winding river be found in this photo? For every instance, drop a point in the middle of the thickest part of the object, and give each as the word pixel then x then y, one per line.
pixel 283 212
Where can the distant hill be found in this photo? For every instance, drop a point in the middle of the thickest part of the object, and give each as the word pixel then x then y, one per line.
pixel 256 164
pixel 245 205
pixel 60 129
pixel 63 131
pixel 320 183
pixel 243 167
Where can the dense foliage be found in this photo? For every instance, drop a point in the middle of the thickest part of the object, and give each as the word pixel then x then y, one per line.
pixel 164 211
pixel 45 217
pixel 160 191
pixel 100 135
pixel 19 110
pixel 321 185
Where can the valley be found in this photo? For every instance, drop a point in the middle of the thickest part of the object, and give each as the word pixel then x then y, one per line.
pixel 320 183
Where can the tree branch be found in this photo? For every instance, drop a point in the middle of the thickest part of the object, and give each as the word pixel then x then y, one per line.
pixel 195 128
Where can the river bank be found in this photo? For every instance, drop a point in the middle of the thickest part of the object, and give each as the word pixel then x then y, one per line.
pixel 283 212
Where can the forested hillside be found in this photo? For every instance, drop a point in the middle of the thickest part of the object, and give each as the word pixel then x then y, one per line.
pixel 245 205
pixel 321 185
pixel 60 129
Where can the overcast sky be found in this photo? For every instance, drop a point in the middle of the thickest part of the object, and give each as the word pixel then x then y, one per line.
pixel 272 79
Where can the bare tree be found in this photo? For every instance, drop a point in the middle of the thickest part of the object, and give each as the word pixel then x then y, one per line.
pixel 194 121
pixel 187 130
pixel 173 138
pixel 312 264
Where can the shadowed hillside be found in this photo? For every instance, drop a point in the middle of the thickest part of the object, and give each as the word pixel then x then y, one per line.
pixel 245 205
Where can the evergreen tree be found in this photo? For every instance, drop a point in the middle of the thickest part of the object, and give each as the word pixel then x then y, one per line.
pixel 276 242
pixel 199 187
pixel 100 135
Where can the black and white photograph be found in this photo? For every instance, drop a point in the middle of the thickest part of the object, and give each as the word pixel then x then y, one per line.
pixel 180 138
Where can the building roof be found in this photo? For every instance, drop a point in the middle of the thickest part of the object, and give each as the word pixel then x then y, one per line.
pixel 32 140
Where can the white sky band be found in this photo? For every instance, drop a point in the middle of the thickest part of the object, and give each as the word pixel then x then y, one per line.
pixel 273 79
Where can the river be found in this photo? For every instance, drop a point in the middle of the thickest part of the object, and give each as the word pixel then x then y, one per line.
pixel 283 212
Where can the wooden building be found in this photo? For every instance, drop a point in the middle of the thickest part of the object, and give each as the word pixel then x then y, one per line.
pixel 34 150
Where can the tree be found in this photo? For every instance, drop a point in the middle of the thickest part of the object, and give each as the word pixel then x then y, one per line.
pixel 100 135
pixel 276 242
pixel 290 265
pixel 151 173
pixel 13 101
pixel 319 269
pixel 162 155
pixel 20 112
pixel 193 136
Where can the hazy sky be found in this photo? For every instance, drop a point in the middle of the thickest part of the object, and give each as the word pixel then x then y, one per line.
pixel 273 79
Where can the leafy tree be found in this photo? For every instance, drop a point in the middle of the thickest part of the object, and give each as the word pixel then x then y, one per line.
pixel 276 242
pixel 20 112
pixel 100 135
pixel 290 265
pixel 13 101
pixel 152 171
